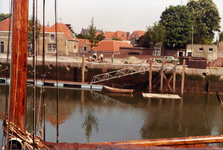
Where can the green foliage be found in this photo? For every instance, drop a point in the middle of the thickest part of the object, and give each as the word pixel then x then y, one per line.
pixel 153 37
pixel 220 36
pixel 207 20
pixel 4 16
pixel 92 35
pixel 100 37
pixel 155 34
pixel 30 29
pixel 116 39
pixel 142 42
pixel 178 22
pixel 194 77
pixel 212 78
pixel 82 36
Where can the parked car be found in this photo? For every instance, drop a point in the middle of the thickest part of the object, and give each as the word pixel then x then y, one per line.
pixel 168 59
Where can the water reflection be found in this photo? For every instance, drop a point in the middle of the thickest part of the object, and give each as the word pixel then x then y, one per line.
pixel 87 116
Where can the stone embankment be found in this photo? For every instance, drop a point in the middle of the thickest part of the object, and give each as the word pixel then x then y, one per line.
pixel 70 70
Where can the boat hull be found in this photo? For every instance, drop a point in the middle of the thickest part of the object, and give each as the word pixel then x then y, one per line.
pixel 117 90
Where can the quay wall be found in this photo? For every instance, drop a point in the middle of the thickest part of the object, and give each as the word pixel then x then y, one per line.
pixel 72 71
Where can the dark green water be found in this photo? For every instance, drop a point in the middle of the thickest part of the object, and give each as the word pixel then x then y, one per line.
pixel 86 116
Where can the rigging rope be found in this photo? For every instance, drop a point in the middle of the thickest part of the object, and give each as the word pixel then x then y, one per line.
pixel 25 137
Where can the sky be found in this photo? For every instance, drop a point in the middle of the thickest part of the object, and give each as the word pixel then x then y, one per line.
pixel 109 15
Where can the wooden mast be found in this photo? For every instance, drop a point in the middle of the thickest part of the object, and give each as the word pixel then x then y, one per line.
pixel 19 64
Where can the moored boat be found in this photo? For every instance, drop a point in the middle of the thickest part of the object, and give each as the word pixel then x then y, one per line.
pixel 117 90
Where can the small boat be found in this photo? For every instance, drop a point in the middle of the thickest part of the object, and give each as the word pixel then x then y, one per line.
pixel 155 95
pixel 117 90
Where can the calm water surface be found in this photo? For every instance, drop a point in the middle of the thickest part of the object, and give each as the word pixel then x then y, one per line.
pixel 87 116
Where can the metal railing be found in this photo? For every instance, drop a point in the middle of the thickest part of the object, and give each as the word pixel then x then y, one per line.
pixel 118 73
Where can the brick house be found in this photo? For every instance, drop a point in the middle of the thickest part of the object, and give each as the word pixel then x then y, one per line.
pixel 4 32
pixel 107 47
pixel 67 43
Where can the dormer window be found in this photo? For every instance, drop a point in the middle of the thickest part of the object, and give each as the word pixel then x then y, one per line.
pixel 52 37
pixel 72 35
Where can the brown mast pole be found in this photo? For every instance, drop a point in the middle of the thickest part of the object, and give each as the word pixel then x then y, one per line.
pixel 19 64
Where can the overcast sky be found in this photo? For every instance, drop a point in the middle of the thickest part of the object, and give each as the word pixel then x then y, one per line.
pixel 109 15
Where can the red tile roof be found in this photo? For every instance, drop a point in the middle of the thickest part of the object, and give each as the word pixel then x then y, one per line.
pixel 81 42
pixel 109 35
pixel 121 35
pixel 111 46
pixel 62 28
pixel 4 25
pixel 138 33
pixel 47 28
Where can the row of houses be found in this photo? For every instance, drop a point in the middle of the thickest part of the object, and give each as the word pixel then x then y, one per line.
pixel 69 45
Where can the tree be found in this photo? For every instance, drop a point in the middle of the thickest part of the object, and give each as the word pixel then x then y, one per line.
pixel 206 18
pixel 69 27
pixel 155 34
pixel 142 42
pixel 4 16
pixel 116 39
pixel 30 29
pixel 93 40
pixel 178 22
pixel 82 36
pixel 221 37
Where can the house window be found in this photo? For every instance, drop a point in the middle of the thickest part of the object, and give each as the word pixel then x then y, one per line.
pixel 2 47
pixel 85 48
pixel 52 37
pixel 181 54
pixel 75 46
pixel 211 49
pixel 200 49
pixel 29 47
pixel 157 51
pixel 189 54
pixel 51 47
pixel 72 35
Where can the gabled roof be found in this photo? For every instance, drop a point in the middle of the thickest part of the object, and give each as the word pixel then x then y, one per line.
pixel 121 35
pixel 111 46
pixel 47 28
pixel 82 41
pixel 118 34
pixel 62 28
pixel 109 35
pixel 137 33
pixel 4 25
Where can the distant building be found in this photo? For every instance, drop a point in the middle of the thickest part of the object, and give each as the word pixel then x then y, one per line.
pixel 84 46
pixel 86 31
pixel 4 29
pixel 123 36
pixel 67 43
pixel 135 35
pixel 210 52
pixel 111 46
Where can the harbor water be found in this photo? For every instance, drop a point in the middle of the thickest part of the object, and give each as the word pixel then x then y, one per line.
pixel 96 116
